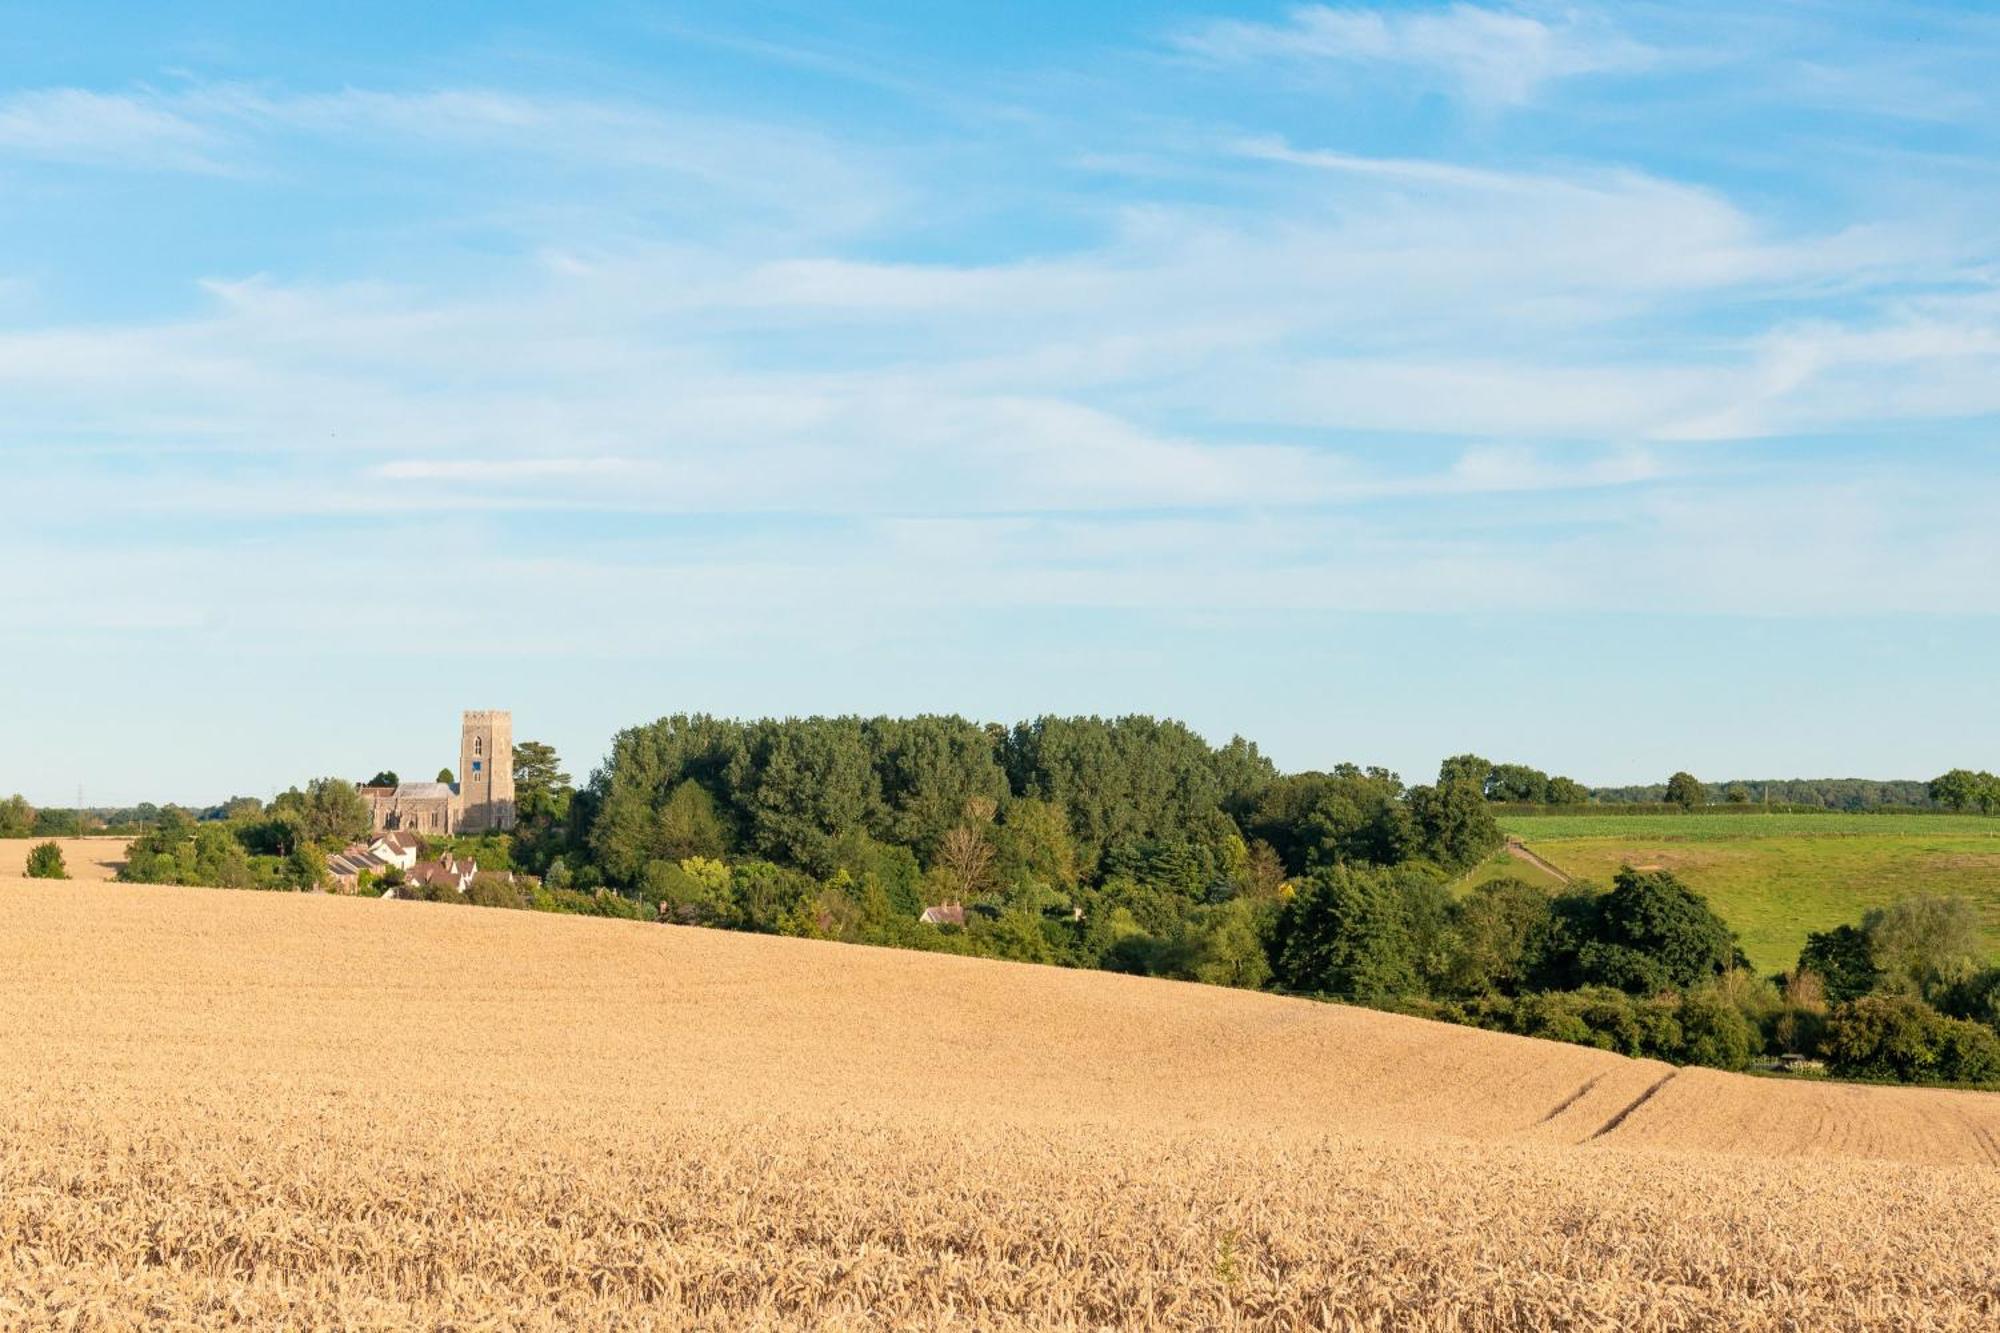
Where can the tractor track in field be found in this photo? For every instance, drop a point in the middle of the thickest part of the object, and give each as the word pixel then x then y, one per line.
pixel 1520 851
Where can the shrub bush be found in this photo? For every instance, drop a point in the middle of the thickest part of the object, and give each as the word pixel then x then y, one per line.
pixel 1900 1037
pixel 45 861
pixel 1714 1031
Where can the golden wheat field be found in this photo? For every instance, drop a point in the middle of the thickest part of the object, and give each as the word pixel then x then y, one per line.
pixel 84 858
pixel 278 1111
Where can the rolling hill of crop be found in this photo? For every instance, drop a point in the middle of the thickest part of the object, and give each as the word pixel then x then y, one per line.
pixel 84 858
pixel 268 1109
pixel 1774 878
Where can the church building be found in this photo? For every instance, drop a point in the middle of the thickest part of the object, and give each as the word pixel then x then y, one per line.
pixel 481 800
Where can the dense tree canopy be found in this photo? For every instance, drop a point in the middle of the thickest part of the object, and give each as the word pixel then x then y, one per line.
pixel 17 817
pixel 1963 789
pixel 1132 844
pixel 1685 790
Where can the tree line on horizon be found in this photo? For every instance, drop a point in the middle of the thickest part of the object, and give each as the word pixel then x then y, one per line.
pixel 1132 844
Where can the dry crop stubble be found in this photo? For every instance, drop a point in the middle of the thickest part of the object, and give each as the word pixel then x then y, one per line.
pixel 277 1110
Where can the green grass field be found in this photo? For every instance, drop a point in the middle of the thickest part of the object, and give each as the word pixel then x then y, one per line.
pixel 1776 877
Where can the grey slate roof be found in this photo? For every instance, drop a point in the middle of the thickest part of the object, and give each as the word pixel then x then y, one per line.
pixel 434 791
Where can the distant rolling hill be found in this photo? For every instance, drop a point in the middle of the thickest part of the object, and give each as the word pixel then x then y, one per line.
pixel 1774 878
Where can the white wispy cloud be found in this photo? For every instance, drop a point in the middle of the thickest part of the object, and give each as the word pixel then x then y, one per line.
pixel 134 130
pixel 1495 57
pixel 727 166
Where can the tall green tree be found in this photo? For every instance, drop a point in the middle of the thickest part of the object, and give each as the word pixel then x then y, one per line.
pixel 17 817
pixel 1923 944
pixel 1454 827
pixel 1517 783
pixel 927 768
pixel 1567 791
pixel 1469 768
pixel 328 810
pixel 1350 932
pixel 1843 961
pixel 1350 815
pixel 1121 783
pixel 542 791
pixel 1963 789
pixel 1686 791
pixel 1495 926
pixel 804 784
pixel 1654 931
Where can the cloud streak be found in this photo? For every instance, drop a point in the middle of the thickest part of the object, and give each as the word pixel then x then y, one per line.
pixel 1490 57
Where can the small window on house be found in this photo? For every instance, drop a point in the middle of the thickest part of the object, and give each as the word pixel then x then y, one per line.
pixel 476 766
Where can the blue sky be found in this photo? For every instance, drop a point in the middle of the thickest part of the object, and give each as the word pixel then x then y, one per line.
pixel 1608 388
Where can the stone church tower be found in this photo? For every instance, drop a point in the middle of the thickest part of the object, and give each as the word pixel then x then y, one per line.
pixel 486 771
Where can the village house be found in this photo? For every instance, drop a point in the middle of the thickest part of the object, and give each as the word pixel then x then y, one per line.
pixel 374 857
pixel 944 914
pixel 457 872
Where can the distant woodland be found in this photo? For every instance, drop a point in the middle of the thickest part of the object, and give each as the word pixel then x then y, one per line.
pixel 1132 844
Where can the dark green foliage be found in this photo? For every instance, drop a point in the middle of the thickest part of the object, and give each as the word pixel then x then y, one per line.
pixel 688 825
pixel 766 896
pixel 1495 927
pixel 648 765
pixel 1798 794
pixel 328 811
pixel 1324 819
pixel 1358 934
pixel 1469 769
pixel 1976 997
pixel 1567 791
pixel 1843 962
pixel 176 850
pixel 1652 916
pixel 1597 1016
pixel 1121 783
pixel 926 769
pixel 58 824
pixel 1244 773
pixel 1901 1038
pixel 542 790
pixel 305 868
pixel 802 784
pixel 1651 933
pixel 17 817
pixel 1519 784
pixel 577 902
pixel 386 778
pixel 1715 1032
pixel 45 861
pixel 1453 826
pixel 1032 844
pixel 1963 789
